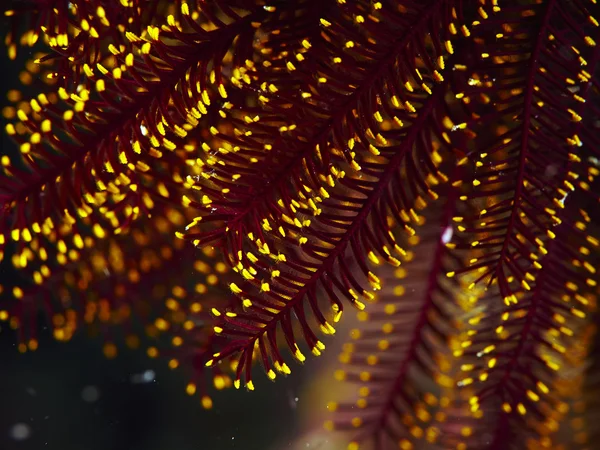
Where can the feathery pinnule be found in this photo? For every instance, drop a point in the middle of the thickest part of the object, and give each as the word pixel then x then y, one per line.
pixel 219 179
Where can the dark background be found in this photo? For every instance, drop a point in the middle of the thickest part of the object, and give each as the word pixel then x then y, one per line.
pixel 44 390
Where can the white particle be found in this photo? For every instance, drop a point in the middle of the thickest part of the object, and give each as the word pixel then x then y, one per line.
pixel 147 376
pixel 292 400
pixel 447 234
pixel 20 431
pixel 144 130
pixel 90 394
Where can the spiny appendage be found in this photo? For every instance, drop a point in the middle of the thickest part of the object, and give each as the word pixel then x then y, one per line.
pixel 176 312
pixel 567 426
pixel 77 32
pixel 303 164
pixel 530 166
pixel 356 229
pixel 231 169
pixel 90 281
pixel 46 272
pixel 19 309
pixel 188 320
pixel 586 407
pixel 277 284
pixel 53 23
pixel 129 139
pixel 271 293
pixel 516 351
pixel 131 286
pixel 403 346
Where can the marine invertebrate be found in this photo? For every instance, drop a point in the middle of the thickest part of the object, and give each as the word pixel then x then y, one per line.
pixel 305 144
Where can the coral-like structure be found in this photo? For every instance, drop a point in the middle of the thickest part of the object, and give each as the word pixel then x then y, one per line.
pixel 224 178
